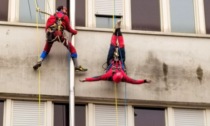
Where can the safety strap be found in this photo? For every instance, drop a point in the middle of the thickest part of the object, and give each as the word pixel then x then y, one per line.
pixel 58 22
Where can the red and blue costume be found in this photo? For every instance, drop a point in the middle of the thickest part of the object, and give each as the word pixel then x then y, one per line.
pixel 116 37
pixel 115 69
pixel 57 35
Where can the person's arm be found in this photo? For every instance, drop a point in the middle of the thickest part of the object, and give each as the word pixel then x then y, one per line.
pixel 133 81
pixel 68 27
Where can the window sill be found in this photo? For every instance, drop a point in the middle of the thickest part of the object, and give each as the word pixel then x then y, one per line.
pixel 111 30
pixel 21 24
pixel 146 32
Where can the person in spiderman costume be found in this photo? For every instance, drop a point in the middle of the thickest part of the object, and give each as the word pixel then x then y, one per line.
pixel 116 70
pixel 116 73
pixel 55 26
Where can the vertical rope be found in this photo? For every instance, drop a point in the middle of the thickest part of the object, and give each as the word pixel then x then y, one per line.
pixel 113 16
pixel 39 72
pixel 125 105
pixel 116 104
pixel 125 89
pixel 116 101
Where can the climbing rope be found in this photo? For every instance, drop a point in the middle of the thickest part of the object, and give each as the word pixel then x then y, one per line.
pixel 115 84
pixel 116 103
pixel 125 89
pixel 39 72
pixel 119 51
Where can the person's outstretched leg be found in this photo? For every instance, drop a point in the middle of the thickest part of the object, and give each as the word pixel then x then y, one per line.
pixel 43 55
pixel 121 45
pixel 114 43
pixel 73 53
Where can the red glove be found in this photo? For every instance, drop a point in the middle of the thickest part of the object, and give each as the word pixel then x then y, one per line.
pixel 74 32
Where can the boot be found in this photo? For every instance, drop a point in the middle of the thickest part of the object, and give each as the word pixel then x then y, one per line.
pixel 118 24
pixel 37 65
pixel 80 68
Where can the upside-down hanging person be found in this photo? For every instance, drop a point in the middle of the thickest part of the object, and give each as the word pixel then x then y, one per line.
pixel 115 71
pixel 55 26
pixel 117 74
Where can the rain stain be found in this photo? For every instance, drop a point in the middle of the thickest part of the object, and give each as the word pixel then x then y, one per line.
pixel 199 73
pixel 165 72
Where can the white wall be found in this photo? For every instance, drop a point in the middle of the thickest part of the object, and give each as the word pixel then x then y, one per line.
pixel 147 56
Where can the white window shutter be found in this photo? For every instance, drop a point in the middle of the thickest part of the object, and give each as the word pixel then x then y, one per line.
pixel 105 115
pixel 106 7
pixel 27 113
pixel 189 117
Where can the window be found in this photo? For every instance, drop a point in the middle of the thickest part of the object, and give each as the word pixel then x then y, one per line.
pixel 27 11
pixel 1 112
pixel 145 15
pixel 207 15
pixel 28 113
pixel 61 115
pixel 189 117
pixel 104 10
pixel 149 116
pixel 80 13
pixel 105 115
pixel 106 21
pixel 80 116
pixel 80 10
pixel 4 10
pixel 182 16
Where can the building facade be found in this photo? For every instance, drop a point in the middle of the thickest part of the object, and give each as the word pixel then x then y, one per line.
pixel 166 41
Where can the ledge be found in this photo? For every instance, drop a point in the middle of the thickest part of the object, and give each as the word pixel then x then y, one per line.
pixel 21 24
pixel 96 100
pixel 138 32
pixel 146 32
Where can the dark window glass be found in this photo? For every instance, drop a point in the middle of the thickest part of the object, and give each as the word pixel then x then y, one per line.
pixel 1 112
pixel 80 10
pixel 80 115
pixel 207 15
pixel 149 117
pixel 145 15
pixel 61 115
pixel 4 10
pixel 80 13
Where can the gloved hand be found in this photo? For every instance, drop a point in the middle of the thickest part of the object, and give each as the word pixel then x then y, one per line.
pixel 147 81
pixel 74 32
pixel 82 80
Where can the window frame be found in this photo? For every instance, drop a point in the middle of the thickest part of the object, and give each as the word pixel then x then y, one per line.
pixel 66 103
pixel 161 18
pixel 13 12
pixel 198 16
pixel 94 15
pixel 45 110
pixel 90 18
pixel 204 19
pixel 149 107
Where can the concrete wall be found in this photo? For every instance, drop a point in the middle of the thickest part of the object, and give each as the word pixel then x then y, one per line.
pixel 178 66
